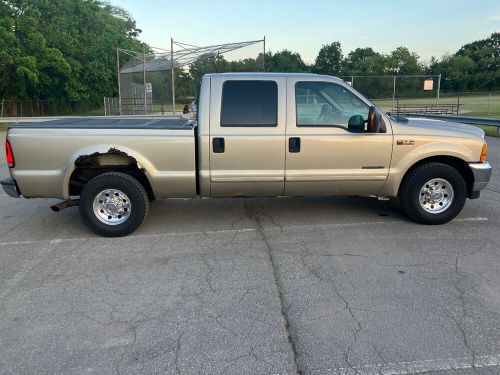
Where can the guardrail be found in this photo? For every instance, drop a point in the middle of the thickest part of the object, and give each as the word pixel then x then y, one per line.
pixel 461 119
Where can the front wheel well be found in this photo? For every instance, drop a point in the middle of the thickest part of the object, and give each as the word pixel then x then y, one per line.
pixel 460 165
pixel 89 166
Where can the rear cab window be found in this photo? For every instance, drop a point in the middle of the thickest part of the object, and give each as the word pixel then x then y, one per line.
pixel 249 104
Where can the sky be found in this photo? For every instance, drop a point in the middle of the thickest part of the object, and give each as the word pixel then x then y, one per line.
pixel 427 27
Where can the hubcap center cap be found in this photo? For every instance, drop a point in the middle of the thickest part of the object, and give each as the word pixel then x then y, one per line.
pixel 114 205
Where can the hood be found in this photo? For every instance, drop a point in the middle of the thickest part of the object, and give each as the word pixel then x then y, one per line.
pixel 443 127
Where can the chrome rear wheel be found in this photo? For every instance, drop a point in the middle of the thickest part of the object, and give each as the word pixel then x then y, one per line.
pixel 112 207
pixel 113 204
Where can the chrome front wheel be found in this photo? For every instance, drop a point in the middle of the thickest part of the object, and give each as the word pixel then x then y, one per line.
pixel 436 195
pixel 433 193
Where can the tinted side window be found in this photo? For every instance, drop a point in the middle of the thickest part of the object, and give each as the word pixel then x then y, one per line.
pixel 249 104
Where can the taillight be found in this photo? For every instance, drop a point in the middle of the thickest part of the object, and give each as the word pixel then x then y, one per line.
pixel 10 155
pixel 483 153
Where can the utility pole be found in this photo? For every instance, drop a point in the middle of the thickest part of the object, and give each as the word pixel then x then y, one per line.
pixel 144 76
pixel 119 83
pixel 173 73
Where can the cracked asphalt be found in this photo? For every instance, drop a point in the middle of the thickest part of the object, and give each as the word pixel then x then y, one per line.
pixel 252 286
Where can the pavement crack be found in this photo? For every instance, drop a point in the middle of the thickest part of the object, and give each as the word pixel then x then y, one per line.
pixel 461 297
pixel 176 354
pixel 347 306
pixel 278 282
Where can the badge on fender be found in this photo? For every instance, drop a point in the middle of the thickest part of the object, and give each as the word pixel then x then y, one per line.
pixel 405 142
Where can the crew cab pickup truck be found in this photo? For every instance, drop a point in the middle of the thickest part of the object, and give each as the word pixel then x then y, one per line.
pixel 256 134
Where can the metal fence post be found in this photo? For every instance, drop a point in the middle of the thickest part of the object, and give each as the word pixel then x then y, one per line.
pixel 394 93
pixel 264 55
pixel 1 113
pixel 489 100
pixel 144 77
pixel 119 77
pixel 172 72
pixel 438 90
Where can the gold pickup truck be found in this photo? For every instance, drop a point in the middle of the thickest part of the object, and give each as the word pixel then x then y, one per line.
pixel 256 134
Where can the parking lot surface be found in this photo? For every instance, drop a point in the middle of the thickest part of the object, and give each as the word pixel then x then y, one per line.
pixel 252 286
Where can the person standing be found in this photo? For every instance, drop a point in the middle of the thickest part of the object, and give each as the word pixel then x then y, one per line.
pixel 193 106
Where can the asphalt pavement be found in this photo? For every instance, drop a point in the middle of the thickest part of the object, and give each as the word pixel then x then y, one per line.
pixel 252 286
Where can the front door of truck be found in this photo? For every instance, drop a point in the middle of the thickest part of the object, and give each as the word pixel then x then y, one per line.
pixel 247 136
pixel 329 151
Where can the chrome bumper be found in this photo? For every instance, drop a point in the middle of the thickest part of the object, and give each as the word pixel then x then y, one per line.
pixel 482 174
pixel 10 187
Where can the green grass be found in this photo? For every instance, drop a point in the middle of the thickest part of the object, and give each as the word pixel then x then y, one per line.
pixel 4 126
pixel 470 105
pixel 492 131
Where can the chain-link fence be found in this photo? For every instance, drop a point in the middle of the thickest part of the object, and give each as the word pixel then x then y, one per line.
pixel 422 94
pixel 391 88
pixel 152 80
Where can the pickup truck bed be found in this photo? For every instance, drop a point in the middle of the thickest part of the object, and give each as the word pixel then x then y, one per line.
pixel 111 123
pixel 164 148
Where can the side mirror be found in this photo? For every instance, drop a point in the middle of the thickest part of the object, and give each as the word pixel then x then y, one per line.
pixel 374 120
pixel 356 123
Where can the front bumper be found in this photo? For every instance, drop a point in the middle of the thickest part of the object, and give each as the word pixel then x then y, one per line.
pixel 10 187
pixel 482 174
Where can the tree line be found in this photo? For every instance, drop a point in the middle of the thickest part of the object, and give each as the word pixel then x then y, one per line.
pixel 64 51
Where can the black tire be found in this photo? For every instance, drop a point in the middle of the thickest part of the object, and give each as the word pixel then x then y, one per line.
pixel 132 188
pixel 409 194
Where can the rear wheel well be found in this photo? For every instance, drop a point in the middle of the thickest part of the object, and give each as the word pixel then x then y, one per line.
pixel 89 166
pixel 461 166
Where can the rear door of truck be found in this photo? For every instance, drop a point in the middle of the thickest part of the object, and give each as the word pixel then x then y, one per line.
pixel 247 136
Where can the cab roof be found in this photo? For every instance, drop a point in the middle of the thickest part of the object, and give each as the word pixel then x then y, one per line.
pixel 262 75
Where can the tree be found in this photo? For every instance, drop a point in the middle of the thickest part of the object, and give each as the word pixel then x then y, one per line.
pixel 364 61
pixel 27 63
pixel 403 61
pixel 286 61
pixel 329 59
pixel 485 55
pixel 456 72
pixel 62 50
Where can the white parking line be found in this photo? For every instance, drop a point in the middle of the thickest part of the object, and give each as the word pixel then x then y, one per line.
pixel 418 367
pixel 242 230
